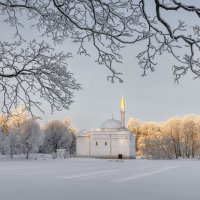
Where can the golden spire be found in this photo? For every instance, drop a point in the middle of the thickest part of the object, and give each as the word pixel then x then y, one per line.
pixel 122 104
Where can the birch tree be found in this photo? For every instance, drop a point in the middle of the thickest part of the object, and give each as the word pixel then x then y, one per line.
pixel 173 127
pixel 30 137
pixel 190 135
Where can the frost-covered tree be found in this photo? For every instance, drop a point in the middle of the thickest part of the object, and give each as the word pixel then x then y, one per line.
pixel 14 123
pixel 18 116
pixel 68 123
pixel 173 127
pixel 9 143
pixel 2 142
pixel 134 127
pixel 185 134
pixel 8 136
pixel 73 131
pixel 30 137
pixel 174 138
pixel 149 140
pixel 154 141
pixel 4 124
pixel 195 144
pixel 191 133
pixel 56 136
pixel 12 144
pixel 100 27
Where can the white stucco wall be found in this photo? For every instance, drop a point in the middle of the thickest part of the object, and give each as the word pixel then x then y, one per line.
pixel 83 146
pixel 100 145
pixel 106 144
pixel 120 145
pixel 132 145
pixel 118 142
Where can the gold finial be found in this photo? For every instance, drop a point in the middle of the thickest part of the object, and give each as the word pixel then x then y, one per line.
pixel 122 104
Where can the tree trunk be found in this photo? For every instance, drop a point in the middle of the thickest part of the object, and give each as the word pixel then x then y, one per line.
pixel 11 154
pixel 193 150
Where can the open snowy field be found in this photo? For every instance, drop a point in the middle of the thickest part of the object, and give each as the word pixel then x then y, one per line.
pixel 96 179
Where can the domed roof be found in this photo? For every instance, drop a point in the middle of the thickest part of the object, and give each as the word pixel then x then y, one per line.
pixel 83 132
pixel 111 123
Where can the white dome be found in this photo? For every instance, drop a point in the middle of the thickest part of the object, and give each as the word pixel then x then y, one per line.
pixel 83 132
pixel 111 123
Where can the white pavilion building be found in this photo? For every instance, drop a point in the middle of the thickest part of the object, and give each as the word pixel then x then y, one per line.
pixel 111 140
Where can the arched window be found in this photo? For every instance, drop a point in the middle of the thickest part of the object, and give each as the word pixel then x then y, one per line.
pixel 96 143
pixel 106 143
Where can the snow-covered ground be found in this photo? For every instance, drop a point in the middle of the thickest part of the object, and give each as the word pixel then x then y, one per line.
pixel 98 179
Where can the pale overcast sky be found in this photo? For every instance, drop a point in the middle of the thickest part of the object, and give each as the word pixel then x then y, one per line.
pixel 151 98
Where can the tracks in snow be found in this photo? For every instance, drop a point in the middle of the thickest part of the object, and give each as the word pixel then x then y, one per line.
pixel 110 173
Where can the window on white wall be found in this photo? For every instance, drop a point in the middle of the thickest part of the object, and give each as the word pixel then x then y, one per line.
pixel 96 143
pixel 106 143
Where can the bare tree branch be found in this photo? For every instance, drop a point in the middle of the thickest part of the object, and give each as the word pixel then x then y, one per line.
pixel 105 25
pixel 36 71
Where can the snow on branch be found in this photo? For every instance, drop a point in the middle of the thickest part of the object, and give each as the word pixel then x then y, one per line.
pixel 35 71
pixel 107 26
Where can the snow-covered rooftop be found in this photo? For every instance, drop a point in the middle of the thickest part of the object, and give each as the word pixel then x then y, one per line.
pixel 111 124
pixel 83 132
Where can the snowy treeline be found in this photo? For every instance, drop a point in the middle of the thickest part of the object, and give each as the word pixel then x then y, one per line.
pixel 174 138
pixel 21 134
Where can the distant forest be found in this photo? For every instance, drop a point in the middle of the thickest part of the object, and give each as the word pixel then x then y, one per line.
pixel 178 137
